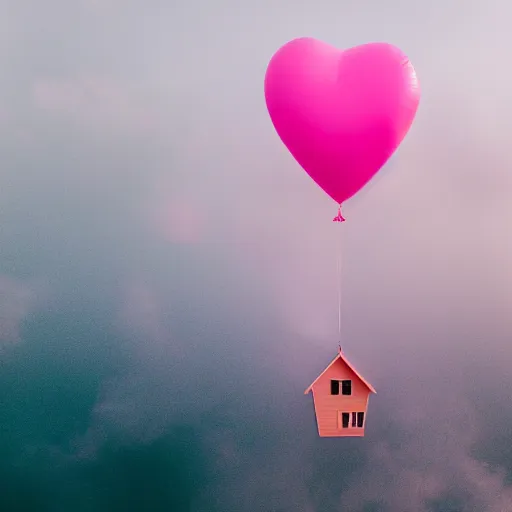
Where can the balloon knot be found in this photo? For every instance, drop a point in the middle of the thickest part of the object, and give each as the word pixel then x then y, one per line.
pixel 339 217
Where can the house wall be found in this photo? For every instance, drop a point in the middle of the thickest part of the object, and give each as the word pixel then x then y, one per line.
pixel 327 406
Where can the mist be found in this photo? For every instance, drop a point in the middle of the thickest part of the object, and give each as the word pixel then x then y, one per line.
pixel 168 282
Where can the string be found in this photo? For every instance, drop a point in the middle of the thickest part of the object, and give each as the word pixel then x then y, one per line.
pixel 339 219
pixel 338 278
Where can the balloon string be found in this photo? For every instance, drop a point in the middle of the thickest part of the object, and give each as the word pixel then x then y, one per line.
pixel 339 218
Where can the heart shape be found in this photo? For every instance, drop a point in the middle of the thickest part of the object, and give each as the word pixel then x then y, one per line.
pixel 341 113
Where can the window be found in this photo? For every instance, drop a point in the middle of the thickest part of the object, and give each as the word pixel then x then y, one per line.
pixel 350 419
pixel 346 387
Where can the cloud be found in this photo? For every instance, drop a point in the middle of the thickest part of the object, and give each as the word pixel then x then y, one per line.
pixel 175 214
pixel 18 299
pixel 139 314
pixel 245 319
pixel 152 389
pixel 430 458
pixel 94 102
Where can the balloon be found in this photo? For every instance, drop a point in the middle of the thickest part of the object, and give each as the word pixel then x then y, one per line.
pixel 341 113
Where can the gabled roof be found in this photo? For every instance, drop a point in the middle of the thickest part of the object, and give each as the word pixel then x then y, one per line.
pixel 344 359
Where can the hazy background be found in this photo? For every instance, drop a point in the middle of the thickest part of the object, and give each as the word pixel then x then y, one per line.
pixel 168 272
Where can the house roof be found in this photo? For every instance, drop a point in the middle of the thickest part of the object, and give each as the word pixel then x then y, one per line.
pixel 344 359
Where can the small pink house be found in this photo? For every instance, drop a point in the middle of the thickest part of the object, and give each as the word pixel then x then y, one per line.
pixel 340 396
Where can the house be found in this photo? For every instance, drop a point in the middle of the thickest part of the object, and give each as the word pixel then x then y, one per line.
pixel 340 396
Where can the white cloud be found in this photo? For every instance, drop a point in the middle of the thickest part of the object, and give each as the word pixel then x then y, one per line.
pixel 17 300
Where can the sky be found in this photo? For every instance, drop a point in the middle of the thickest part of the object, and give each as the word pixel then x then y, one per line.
pixel 168 272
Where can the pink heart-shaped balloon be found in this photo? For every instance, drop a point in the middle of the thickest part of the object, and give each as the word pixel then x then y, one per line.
pixel 341 113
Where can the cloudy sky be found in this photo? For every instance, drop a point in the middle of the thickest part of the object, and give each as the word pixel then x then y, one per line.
pixel 168 272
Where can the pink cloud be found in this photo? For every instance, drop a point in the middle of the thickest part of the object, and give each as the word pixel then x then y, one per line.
pixel 95 102
pixel 175 213
pixel 178 220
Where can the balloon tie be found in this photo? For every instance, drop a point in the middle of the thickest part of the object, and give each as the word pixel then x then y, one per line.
pixel 339 217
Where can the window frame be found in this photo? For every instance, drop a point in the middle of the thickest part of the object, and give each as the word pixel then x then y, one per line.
pixel 337 385
pixel 353 420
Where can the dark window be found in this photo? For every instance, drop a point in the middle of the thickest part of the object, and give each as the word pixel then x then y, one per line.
pixel 360 419
pixel 346 387
pixel 335 387
pixel 353 419
pixel 344 419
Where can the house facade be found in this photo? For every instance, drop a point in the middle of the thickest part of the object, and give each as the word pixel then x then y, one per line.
pixel 340 396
